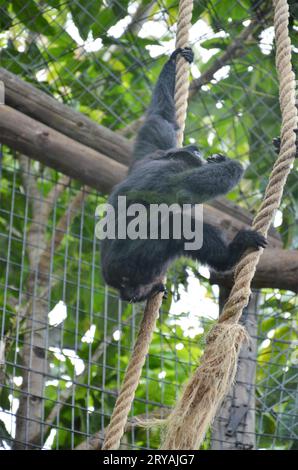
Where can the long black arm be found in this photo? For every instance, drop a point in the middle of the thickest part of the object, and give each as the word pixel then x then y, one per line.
pixel 207 181
pixel 159 129
pixel 162 102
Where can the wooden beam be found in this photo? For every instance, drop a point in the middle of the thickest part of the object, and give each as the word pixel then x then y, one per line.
pixel 58 151
pixel 277 269
pixel 44 108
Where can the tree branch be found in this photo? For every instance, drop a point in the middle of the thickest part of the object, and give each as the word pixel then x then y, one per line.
pixel 46 109
pixel 58 151
pixel 234 50
pixel 139 18
pixel 276 269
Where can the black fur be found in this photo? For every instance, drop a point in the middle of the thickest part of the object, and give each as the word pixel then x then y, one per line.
pixel 162 173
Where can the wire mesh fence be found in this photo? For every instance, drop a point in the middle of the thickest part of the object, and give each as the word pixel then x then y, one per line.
pixel 65 337
pixel 83 333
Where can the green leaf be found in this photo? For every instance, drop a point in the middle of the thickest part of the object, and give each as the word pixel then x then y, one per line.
pixel 198 9
pixel 30 15
pixel 4 434
pixel 119 8
pixel 5 19
pixel 4 400
pixel 103 21
pixel 55 3
pixel 215 43
pixel 83 14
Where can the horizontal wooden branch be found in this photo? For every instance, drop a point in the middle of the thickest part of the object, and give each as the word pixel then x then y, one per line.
pixel 44 108
pixel 277 269
pixel 237 48
pixel 58 151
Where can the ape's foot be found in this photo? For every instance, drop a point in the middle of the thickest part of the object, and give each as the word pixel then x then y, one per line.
pixel 276 142
pixel 161 288
pixel 252 239
pixel 186 53
pixel 216 158
pixel 165 295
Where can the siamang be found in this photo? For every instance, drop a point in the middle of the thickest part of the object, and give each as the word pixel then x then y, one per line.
pixel 162 173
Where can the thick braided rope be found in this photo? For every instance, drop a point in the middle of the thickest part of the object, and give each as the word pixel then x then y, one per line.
pixel 203 394
pixel 182 73
pixel 245 270
pixel 132 376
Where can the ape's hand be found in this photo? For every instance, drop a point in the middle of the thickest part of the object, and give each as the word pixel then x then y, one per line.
pixel 216 158
pixel 186 53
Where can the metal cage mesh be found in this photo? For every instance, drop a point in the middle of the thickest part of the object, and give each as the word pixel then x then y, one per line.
pixel 67 338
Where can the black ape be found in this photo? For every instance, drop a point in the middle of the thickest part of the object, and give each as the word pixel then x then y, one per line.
pixel 162 173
